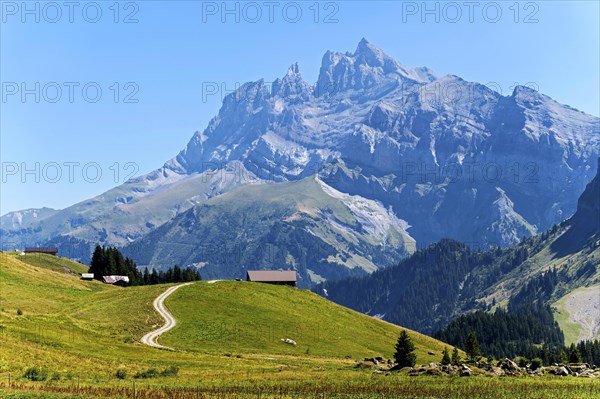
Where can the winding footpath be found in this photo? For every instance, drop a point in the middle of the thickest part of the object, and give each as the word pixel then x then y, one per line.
pixel 170 322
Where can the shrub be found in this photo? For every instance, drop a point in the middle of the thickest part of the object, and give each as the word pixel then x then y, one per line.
pixel 19 312
pixel 153 373
pixel 55 377
pixel 170 371
pixel 150 373
pixel 522 361
pixel 446 357
pixel 121 374
pixel 35 374
pixel 129 339
pixel 456 360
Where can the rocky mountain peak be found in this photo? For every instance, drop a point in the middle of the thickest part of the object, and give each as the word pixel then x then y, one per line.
pixel 293 70
pixel 292 87
pixel 368 67
pixel 368 54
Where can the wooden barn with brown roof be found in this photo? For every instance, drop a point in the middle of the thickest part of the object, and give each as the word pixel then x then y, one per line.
pixel 279 277
pixel 41 250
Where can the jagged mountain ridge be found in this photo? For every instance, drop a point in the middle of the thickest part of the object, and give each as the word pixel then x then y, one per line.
pixel 370 128
pixel 374 128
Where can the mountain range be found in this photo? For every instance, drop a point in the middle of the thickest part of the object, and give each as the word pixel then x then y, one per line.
pixel 560 267
pixel 392 158
pixel 320 232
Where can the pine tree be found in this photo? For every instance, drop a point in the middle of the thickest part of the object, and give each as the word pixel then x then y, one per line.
pixel 446 357
pixel 120 265
pixel 97 263
pixel 168 277
pixel 574 354
pixel 146 277
pixel 111 264
pixel 405 351
pixel 154 277
pixel 177 277
pixel 472 347
pixel 564 357
pixel 456 360
pixel 135 277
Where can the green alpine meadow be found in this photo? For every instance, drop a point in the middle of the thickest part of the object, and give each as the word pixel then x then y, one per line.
pixel 318 199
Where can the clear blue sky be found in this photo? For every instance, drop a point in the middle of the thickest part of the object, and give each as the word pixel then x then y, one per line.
pixel 176 46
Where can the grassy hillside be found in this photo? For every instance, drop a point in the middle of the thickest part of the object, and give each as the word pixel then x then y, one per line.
pixel 48 296
pixel 64 318
pixel 53 319
pixel 54 263
pixel 245 317
pixel 88 330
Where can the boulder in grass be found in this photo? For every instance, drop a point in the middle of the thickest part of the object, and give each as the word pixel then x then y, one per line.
pixel 466 373
pixel 561 371
pixel 288 341
pixel 509 365
pixel 578 367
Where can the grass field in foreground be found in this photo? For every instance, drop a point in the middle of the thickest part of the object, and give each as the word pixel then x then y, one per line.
pixel 374 387
pixel 89 330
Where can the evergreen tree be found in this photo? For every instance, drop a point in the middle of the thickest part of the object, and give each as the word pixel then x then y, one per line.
pixel 168 276
pixel 456 360
pixel 564 357
pixel 405 351
pixel 110 261
pixel 97 263
pixel 177 276
pixel 446 357
pixel 472 347
pixel 574 354
pixel 121 268
pixel 135 277
pixel 146 277
pixel 187 274
pixel 154 278
pixel 111 264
